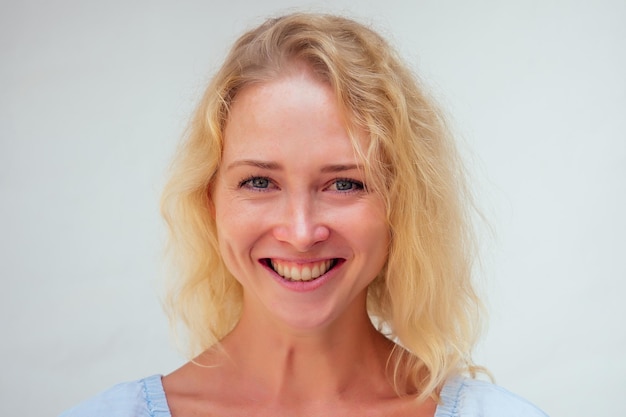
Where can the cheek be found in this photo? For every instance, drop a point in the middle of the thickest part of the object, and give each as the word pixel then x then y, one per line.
pixel 380 236
pixel 231 233
pixel 370 233
pixel 236 217
pixel 237 231
pixel 228 234
pixel 379 249
pixel 232 246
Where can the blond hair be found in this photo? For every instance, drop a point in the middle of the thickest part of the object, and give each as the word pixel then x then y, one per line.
pixel 424 296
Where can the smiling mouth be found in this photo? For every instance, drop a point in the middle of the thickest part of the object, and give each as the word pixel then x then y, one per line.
pixel 292 271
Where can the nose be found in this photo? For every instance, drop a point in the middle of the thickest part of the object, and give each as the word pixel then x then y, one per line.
pixel 300 222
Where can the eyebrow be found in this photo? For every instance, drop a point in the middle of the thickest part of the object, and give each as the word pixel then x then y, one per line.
pixel 342 167
pixel 255 163
pixel 333 168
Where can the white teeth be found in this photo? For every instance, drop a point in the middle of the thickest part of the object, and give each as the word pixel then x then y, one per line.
pixel 277 267
pixel 315 271
pixel 296 272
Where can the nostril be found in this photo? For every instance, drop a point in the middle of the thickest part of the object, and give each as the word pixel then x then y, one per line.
pixel 321 233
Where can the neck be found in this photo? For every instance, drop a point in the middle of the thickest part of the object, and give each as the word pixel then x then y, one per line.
pixel 334 362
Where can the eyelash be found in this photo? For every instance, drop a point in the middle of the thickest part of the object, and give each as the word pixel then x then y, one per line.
pixel 356 185
pixel 247 183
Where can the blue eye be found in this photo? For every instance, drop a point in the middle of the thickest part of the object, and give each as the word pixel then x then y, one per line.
pixel 259 183
pixel 347 185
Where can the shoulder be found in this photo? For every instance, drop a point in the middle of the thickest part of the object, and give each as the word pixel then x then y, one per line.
pixel 141 398
pixel 464 397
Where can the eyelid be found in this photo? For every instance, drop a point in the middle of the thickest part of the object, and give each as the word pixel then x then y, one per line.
pixel 246 183
pixel 358 186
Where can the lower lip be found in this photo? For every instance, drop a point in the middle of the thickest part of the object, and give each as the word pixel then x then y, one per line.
pixel 305 286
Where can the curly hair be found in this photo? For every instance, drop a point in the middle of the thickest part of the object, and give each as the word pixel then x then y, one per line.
pixel 424 298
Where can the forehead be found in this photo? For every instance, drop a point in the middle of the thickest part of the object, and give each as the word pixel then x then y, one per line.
pixel 298 102
pixel 296 109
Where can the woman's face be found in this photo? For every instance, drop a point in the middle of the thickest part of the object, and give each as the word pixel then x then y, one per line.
pixel 296 225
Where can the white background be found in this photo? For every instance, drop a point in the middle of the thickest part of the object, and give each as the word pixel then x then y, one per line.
pixel 93 99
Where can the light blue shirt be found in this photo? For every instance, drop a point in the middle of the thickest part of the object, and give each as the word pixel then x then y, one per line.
pixel 460 397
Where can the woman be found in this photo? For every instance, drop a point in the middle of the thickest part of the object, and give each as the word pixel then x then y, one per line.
pixel 317 193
